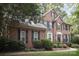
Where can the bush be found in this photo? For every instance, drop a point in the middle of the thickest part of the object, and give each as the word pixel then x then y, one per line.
pixel 57 45
pixel 69 44
pixel 9 45
pixel 75 40
pixel 37 44
pixel 75 46
pixel 15 46
pixel 47 44
pixel 65 46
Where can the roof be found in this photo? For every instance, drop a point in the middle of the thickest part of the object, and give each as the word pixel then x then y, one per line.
pixel 47 12
pixel 61 20
pixel 29 26
pixel 38 25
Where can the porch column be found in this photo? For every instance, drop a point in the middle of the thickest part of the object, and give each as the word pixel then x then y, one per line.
pixel 29 44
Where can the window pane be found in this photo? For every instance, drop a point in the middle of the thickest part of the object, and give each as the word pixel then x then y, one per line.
pixel 35 35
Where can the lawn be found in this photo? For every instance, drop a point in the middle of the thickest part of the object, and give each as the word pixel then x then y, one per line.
pixel 44 53
pixel 51 53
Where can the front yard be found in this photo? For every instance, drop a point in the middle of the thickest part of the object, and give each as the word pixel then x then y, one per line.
pixel 43 53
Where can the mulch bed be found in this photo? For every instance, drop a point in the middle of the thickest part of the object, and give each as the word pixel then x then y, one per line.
pixel 55 49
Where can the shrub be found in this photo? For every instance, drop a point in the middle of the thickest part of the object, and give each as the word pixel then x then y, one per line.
pixel 15 46
pixel 47 44
pixel 9 45
pixel 57 45
pixel 64 46
pixel 75 46
pixel 75 40
pixel 37 44
pixel 68 44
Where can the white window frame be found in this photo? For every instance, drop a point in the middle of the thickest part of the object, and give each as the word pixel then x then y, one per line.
pixel 50 24
pixel 23 35
pixel 49 33
pixel 35 36
pixel 45 23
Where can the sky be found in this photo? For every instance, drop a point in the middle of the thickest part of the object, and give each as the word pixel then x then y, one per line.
pixel 69 9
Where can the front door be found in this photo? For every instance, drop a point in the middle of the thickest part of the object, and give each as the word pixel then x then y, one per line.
pixel 59 38
pixel 23 36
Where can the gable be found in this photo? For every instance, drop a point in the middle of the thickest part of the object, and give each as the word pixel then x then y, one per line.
pixel 47 16
pixel 59 20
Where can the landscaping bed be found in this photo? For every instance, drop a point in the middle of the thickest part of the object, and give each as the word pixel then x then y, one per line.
pixel 55 49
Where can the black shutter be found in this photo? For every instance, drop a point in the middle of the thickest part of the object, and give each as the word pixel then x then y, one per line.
pixel 32 36
pixel 18 34
pixel 39 35
pixel 26 36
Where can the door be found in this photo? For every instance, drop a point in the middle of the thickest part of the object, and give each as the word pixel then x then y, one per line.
pixel 23 36
pixel 59 38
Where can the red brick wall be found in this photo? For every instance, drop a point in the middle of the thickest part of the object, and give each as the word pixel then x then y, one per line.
pixel 48 16
pixel 13 34
pixel 42 34
pixel 63 31
pixel 29 44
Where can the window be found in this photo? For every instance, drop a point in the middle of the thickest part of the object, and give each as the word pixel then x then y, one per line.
pixel 35 36
pixel 49 36
pixel 23 36
pixel 58 26
pixel 65 38
pixel 66 27
pixel 49 25
pixel 59 38
pixel 45 23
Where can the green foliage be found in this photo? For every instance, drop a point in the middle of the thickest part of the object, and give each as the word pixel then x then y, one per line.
pixel 47 44
pixel 10 12
pixel 75 46
pixel 74 19
pixel 69 44
pixel 9 45
pixel 75 40
pixel 57 45
pixel 37 44
pixel 58 7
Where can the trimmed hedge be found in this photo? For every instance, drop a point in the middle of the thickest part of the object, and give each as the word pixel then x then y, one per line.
pixel 46 44
pixel 75 46
pixel 75 40
pixel 9 45
pixel 37 44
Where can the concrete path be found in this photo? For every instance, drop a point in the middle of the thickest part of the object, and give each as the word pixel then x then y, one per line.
pixel 69 49
pixel 30 52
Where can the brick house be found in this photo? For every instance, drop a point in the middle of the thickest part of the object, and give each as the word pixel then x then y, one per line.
pixel 57 29
pixel 51 27
pixel 27 32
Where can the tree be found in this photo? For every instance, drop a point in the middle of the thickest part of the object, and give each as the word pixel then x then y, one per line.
pixel 74 20
pixel 10 12
pixel 58 7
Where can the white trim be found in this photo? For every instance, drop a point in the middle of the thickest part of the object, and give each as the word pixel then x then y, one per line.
pixel 59 33
pixel 35 36
pixel 49 33
pixel 23 36
pixel 47 12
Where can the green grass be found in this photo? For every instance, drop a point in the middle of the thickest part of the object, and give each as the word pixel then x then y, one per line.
pixel 51 53
pixel 46 53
